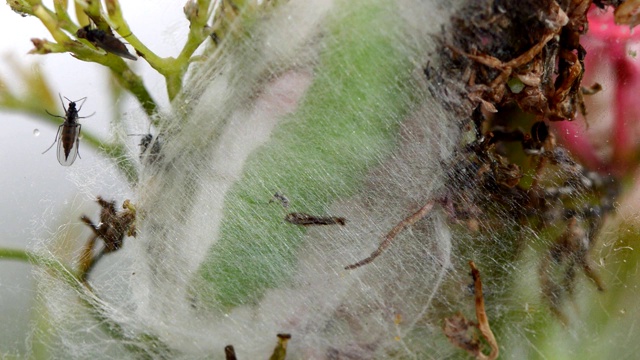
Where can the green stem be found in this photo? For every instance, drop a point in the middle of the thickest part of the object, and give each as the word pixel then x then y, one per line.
pixel 198 18
pixel 21 7
pixel 173 69
pixel 125 76
pixel 121 26
pixel 50 20
pixel 68 275
pixel 71 278
pixel 64 21
pixel 132 82
pixel 197 35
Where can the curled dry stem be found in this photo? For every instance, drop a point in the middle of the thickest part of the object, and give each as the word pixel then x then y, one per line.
pixel 113 227
pixel 481 315
pixel 391 235
pixel 461 332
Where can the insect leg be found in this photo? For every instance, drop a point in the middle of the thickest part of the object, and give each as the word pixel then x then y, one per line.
pixel 85 219
pixel 88 116
pixel 84 99
pixel 54 140
pixel 58 116
pixel 62 102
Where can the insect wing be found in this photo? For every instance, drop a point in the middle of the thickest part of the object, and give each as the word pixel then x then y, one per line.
pixel 68 144
pixel 113 45
pixel 102 39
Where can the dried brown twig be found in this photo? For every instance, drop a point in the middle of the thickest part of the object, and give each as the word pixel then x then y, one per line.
pixel 461 332
pixel 112 229
pixel 391 235
pixel 310 220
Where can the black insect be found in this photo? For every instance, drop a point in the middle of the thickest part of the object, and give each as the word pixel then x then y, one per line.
pixel 105 40
pixel 145 141
pixel 68 136
pixel 150 148
pixel 281 198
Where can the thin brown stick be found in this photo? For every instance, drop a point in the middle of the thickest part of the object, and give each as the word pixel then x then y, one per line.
pixel 309 220
pixel 391 235
pixel 481 315
pixel 462 332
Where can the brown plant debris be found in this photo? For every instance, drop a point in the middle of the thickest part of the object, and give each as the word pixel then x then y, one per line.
pixel 112 228
pixel 391 235
pixel 311 220
pixel 508 175
pixel 526 52
pixel 520 58
pixel 628 13
pixel 464 333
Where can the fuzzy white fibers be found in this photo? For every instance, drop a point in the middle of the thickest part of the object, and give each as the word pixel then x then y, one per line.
pixel 240 105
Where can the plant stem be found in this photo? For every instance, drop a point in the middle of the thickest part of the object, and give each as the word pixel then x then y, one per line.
pixel 173 69
pixel 125 76
pixel 68 275
pixel 89 299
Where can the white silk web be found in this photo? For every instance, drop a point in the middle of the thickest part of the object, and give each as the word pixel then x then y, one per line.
pixel 327 104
